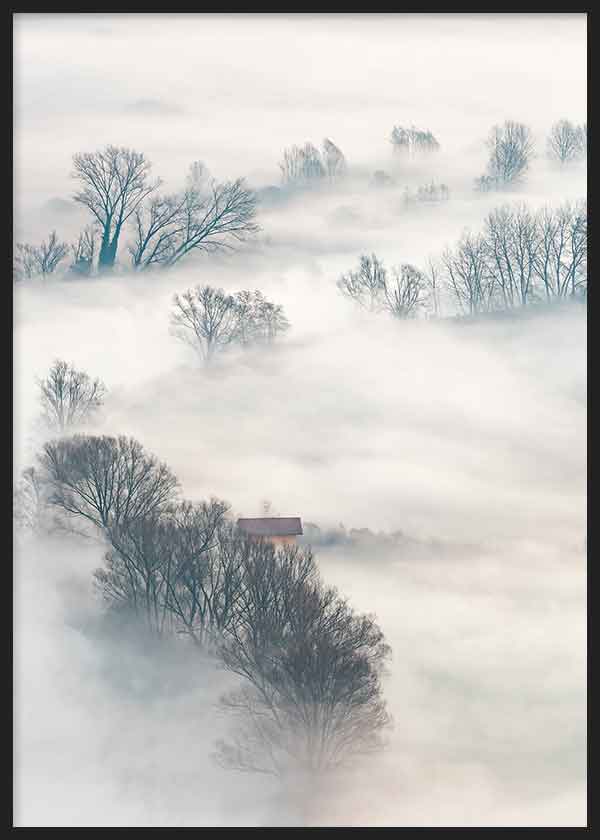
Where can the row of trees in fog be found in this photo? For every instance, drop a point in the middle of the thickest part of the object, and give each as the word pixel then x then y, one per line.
pixel 309 667
pixel 521 257
pixel 124 201
pixel 510 145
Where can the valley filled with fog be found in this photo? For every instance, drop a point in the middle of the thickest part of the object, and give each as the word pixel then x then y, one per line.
pixel 438 462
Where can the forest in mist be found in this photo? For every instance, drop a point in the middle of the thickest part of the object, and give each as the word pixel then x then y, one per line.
pixel 332 267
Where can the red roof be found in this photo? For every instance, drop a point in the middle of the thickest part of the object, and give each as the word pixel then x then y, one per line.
pixel 271 526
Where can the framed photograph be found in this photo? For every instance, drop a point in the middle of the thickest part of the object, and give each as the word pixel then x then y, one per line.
pixel 299 442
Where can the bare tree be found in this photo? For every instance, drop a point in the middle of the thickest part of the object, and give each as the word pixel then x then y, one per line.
pixel 69 397
pixel 135 575
pixel 365 286
pixel 577 252
pixel 426 143
pixel 205 579
pixel 214 217
pixel 218 221
pixel 179 569
pixel 311 695
pixel 109 482
pixel 34 260
pixel 271 320
pixel 302 165
pixel 292 165
pixel 552 244
pixel 25 264
pixel 211 320
pixel 157 227
pixel 84 250
pixel 400 140
pixel 199 177
pixel 511 149
pixel 28 500
pixel 335 162
pixel 404 294
pixel 375 291
pixel 486 183
pixel 512 239
pixel 207 319
pixel 114 183
pixel 561 259
pixel 427 193
pixel 567 142
pixel 413 142
pixel 468 274
pixel 432 277
pixel 259 320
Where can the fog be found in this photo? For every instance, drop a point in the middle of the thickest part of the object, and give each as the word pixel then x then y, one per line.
pixel 469 438
pixel 235 90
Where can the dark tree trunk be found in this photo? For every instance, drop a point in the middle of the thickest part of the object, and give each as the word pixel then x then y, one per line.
pixel 104 261
pixel 108 250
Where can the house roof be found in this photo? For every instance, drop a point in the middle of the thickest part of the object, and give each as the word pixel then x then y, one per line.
pixel 271 526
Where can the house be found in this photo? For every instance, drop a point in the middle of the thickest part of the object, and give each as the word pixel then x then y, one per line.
pixel 280 530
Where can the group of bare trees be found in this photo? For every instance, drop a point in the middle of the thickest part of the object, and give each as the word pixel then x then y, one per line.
pixel 427 193
pixel 510 145
pixel 521 257
pixel 511 150
pixel 42 260
pixel 309 695
pixel 302 165
pixel 39 260
pixel 210 320
pixel 205 216
pixel 413 142
pixel 400 292
pixel 116 187
pixel 311 669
